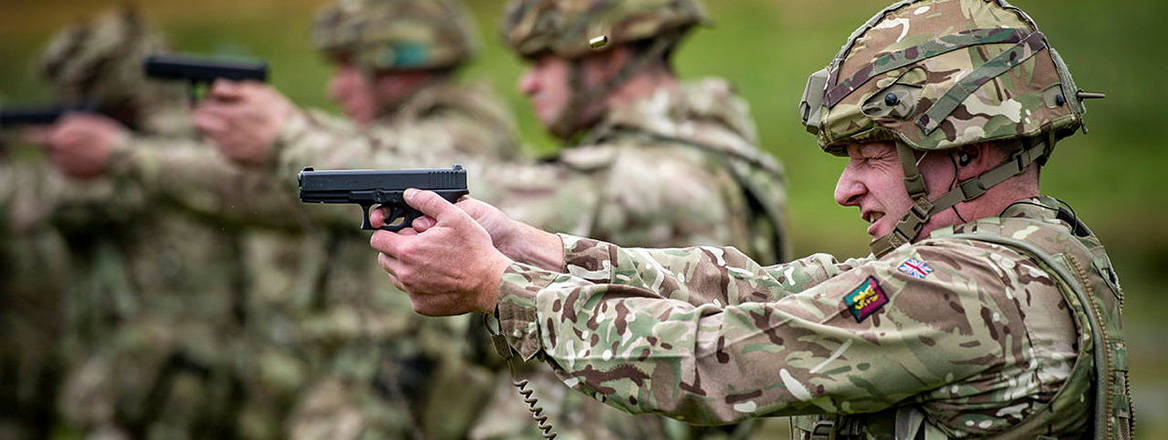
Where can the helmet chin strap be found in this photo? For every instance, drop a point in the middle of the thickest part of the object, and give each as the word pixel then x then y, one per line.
pixel 909 226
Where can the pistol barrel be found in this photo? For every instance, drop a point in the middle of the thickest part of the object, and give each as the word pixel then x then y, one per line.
pixel 202 69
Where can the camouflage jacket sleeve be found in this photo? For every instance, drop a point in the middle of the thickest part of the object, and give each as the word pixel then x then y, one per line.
pixel 193 175
pixel 706 336
pixel 680 269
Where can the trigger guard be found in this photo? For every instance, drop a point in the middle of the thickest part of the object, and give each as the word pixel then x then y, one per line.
pixel 407 216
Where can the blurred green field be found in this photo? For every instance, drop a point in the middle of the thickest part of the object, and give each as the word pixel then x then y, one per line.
pixel 767 48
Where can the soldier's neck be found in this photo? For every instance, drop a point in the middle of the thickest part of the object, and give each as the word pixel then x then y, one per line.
pixel 641 86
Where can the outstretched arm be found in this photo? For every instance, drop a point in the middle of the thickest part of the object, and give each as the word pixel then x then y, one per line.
pixel 860 341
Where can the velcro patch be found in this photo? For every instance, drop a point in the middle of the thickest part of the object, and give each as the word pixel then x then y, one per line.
pixel 865 299
pixel 915 268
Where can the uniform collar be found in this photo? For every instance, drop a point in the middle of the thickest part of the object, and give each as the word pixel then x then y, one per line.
pixel 1037 208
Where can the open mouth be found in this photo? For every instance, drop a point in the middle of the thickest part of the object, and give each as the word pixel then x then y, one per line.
pixel 872 217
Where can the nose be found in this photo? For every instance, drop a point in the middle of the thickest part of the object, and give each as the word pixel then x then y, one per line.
pixel 528 83
pixel 849 189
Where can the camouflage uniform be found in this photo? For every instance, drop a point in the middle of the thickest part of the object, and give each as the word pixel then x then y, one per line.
pixel 677 166
pixel 30 306
pixel 326 357
pixel 651 164
pixel 633 177
pixel 1004 327
pixel 150 308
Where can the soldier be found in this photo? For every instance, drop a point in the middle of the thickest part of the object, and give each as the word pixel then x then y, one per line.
pixel 32 259
pixel 395 67
pixel 986 309
pixel 372 368
pixel 642 151
pixel 149 316
pixel 633 132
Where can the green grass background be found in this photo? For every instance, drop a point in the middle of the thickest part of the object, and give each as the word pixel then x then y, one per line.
pixel 1113 176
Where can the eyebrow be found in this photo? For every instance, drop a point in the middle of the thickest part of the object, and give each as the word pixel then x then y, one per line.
pixel 865 150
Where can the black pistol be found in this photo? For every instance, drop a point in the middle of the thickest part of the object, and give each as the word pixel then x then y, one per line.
pixel 373 189
pixel 44 115
pixel 202 70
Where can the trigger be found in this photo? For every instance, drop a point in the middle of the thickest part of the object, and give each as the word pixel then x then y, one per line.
pixel 391 220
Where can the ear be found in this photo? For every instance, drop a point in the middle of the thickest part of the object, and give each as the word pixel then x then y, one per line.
pixel 607 63
pixel 973 160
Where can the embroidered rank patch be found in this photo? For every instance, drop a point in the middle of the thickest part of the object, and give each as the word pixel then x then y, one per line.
pixel 916 268
pixel 866 299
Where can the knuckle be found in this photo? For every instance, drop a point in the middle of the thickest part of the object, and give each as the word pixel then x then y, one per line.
pixel 407 249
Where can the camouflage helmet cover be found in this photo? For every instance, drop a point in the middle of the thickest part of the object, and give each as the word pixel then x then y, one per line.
pixel 564 27
pixel 101 60
pixel 396 34
pixel 938 74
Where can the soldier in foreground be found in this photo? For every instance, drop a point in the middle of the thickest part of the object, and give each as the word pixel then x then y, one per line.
pixel 986 309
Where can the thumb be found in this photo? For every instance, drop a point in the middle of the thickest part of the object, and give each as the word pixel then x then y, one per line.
pixel 432 204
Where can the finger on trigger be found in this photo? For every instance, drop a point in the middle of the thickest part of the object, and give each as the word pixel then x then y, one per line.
pixel 430 204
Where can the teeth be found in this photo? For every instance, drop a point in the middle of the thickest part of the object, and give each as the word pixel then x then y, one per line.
pixel 873 217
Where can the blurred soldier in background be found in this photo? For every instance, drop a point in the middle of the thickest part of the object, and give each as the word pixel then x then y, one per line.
pixel 352 365
pixel 33 260
pixel 150 304
pixel 650 161
pixel 371 367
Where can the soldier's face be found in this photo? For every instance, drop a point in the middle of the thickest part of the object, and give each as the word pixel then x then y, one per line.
pixel 350 88
pixel 546 85
pixel 873 181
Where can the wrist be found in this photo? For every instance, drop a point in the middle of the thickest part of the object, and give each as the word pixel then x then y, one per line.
pixel 292 127
pixel 488 291
pixel 119 155
pixel 530 245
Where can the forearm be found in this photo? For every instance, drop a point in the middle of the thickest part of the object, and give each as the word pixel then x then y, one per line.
pixel 193 175
pixel 697 275
pixel 530 245
pixel 643 352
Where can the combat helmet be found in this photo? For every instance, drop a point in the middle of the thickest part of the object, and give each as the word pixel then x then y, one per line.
pixel 941 74
pixel 396 34
pixel 565 28
pixel 99 63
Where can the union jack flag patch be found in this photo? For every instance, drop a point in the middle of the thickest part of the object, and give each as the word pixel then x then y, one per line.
pixel 916 268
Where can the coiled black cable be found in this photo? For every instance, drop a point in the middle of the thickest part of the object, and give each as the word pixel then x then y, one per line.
pixel 541 419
